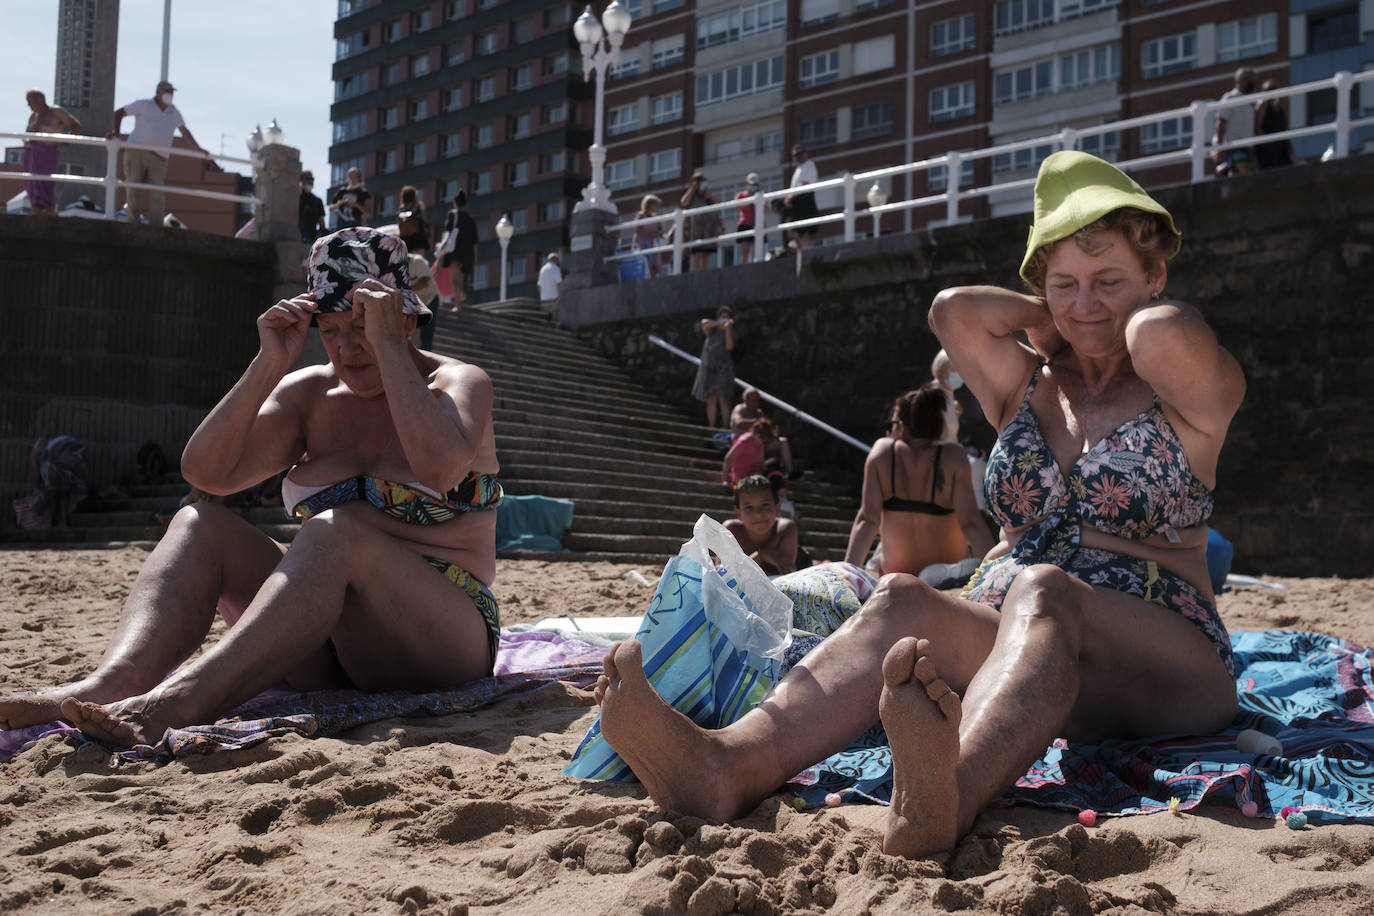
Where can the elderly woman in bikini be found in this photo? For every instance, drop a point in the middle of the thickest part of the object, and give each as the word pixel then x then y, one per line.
pixel 391 461
pixel 1092 617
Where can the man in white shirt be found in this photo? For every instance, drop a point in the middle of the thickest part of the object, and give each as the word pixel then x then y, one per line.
pixel 801 204
pixel 1236 122
pixel 155 120
pixel 550 278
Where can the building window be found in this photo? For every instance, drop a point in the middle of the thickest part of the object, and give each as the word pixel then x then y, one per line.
pixel 556 63
pixel 419 109
pixel 1015 15
pixel 454 53
pixel 1174 133
pixel 820 68
pixel 519 126
pixel 769 143
pixel 453 144
pixel 353 44
pixel 814 12
pixel 455 9
pixel 554 114
pixel 953 35
pixel 391 117
pixel 741 22
pixel 517 173
pixel 937 179
pixel 1091 65
pixel 523 30
pixel 664 165
pixel 452 98
pixel 628 66
pixel 818 132
pixel 556 15
pixel 338 171
pixel 520 219
pixel 1168 55
pixel 421 20
pixel 871 120
pixel 663 6
pixel 1022 159
pixel 481 138
pixel 448 189
pixel 387 161
pixel 620 174
pixel 350 128
pixel 1023 83
pixel 745 79
pixel 481 182
pixel 515 271
pixel 1248 37
pixel 1333 30
pixel 486 89
pixel 622 120
pixel 485 43
pixel 553 162
pixel 391 31
pixel 488 4
pixel 635 8
pixel 351 86
pixel 387 205
pixel 391 73
pixel 419 65
pixel 668 51
pixel 522 78
pixel 417 153
pixel 665 108
pixel 1103 146
pixel 949 102
pixel 479 277
pixel 864 6
pixel 551 211
pixel 349 7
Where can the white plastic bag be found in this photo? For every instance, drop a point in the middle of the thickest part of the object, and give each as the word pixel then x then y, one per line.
pixel 738 598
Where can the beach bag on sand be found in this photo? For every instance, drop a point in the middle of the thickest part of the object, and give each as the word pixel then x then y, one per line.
pixel 713 639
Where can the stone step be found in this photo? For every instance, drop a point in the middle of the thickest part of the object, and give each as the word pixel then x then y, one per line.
pixel 528 354
pixel 529 384
pixel 668 546
pixel 646 427
pixel 677 437
pixel 536 448
pixel 836 517
pixel 682 529
pixel 520 341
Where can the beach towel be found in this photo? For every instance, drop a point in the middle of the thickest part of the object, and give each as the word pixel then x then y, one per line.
pixel 525 662
pixel 532 522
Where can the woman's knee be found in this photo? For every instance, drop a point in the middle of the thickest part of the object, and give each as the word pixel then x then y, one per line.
pixel 342 528
pixel 900 597
pixel 1045 591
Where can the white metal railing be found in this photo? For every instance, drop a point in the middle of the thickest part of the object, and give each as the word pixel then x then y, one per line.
pixel 111 182
pixel 851 186
pixel 796 412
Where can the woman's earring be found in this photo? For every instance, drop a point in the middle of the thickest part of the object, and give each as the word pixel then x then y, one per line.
pixel 1154 295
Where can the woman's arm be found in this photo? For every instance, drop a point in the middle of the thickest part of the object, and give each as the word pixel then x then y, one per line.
pixel 975 325
pixel 727 461
pixel 965 505
pixel 440 428
pixel 258 428
pixel 729 325
pixel 1174 350
pixel 869 518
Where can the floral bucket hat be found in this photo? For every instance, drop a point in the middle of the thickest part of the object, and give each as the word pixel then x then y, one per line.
pixel 341 261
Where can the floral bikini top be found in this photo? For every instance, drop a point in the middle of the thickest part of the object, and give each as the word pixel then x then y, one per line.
pixel 405 502
pixel 1135 482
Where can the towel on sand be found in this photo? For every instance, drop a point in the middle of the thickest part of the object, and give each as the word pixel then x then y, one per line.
pixel 532 522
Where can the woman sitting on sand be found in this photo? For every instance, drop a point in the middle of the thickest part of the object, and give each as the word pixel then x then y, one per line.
pixel 1092 618
pixel 385 586
pixel 914 460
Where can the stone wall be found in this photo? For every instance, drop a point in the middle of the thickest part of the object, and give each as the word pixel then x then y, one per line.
pixel 118 334
pixel 1280 262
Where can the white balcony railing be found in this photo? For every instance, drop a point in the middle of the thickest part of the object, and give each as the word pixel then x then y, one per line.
pixel 853 187
pixel 111 182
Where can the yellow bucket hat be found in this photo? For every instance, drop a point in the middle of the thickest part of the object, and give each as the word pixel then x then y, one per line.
pixel 1076 189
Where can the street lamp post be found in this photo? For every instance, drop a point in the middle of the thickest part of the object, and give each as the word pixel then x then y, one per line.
pixel 877 197
pixel 597 55
pixel 504 230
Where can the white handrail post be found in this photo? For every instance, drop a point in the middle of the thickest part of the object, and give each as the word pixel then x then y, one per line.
pixel 1199 147
pixel 760 221
pixel 953 163
pixel 1343 80
pixel 111 175
pixel 678 222
pixel 1068 138
pixel 849 206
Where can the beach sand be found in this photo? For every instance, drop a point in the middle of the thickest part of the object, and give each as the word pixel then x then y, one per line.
pixel 469 813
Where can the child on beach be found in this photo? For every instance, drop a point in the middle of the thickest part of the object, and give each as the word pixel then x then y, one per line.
pixel 769 540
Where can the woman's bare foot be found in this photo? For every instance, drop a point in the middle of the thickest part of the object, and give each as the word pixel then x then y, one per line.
pixel 115 724
pixel 681 764
pixel 45 706
pixel 921 716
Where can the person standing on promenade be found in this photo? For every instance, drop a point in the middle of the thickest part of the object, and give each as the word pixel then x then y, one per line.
pixel 155 120
pixel 311 218
pixel 41 158
pixel 352 202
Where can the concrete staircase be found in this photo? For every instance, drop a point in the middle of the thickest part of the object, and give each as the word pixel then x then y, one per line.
pixel 569 424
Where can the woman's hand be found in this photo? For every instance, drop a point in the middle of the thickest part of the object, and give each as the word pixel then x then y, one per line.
pixel 282 329
pixel 381 308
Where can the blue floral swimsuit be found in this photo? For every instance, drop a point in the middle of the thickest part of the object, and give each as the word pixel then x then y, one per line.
pixel 1133 483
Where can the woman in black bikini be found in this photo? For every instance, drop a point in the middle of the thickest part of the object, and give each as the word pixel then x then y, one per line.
pixel 392 463
pixel 944 529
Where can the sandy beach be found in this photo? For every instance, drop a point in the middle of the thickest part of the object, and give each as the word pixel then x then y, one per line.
pixel 469 813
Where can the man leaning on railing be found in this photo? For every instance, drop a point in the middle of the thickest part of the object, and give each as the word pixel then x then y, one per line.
pixel 155 120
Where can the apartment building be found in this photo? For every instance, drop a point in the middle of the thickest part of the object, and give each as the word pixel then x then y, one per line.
pixel 727 86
